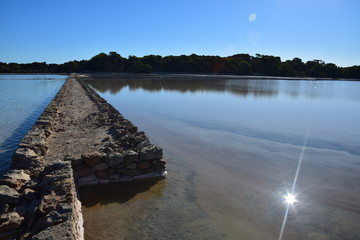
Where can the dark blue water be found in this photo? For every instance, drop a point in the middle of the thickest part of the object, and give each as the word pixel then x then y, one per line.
pixel 21 103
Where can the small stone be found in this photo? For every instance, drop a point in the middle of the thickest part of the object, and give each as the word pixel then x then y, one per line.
pixel 114 177
pixel 8 195
pixel 49 203
pixel 131 156
pixel 17 174
pixel 133 172
pixel 10 235
pixel 92 158
pixel 150 175
pixel 125 178
pixel 150 152
pixel 50 219
pixel 76 163
pixel 160 162
pixel 10 221
pixel 104 181
pixel 143 144
pixel 131 166
pixel 61 231
pixel 115 159
pixel 88 181
pixel 12 183
pixel 144 165
pixel 101 166
pixel 23 158
pixel 3 208
pixel 29 194
pixel 21 208
pixel 101 174
pixel 83 172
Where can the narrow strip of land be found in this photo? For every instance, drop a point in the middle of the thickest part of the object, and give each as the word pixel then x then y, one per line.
pixel 80 140
pixel 77 125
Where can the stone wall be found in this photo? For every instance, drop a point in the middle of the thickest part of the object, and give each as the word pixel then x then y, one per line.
pixel 126 154
pixel 39 198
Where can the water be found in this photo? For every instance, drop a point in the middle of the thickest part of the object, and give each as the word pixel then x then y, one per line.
pixel 233 148
pixel 21 103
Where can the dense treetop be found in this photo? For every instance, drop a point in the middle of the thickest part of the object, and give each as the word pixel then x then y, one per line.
pixel 239 64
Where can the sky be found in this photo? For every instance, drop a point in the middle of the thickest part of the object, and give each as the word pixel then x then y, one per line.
pixel 60 31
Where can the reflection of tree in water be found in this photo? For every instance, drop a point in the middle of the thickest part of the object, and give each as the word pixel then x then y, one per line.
pixel 243 87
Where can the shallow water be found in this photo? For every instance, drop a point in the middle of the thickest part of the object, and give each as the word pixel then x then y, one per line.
pixel 233 147
pixel 21 103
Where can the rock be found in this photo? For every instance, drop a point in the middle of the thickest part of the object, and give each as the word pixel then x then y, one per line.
pixel 150 152
pixel 133 172
pixel 143 144
pixel 131 156
pixel 101 174
pixel 40 149
pixel 8 195
pixel 23 158
pixel 50 202
pixel 115 159
pixel 3 208
pixel 83 172
pixel 57 167
pixel 91 158
pixel 10 221
pixel 88 181
pixel 75 163
pixel 150 175
pixel 10 235
pixel 104 181
pixel 101 166
pixel 144 165
pixel 29 194
pixel 159 168
pixel 17 174
pixel 125 178
pixel 63 208
pixel 131 166
pixel 159 162
pixel 63 231
pixel 50 219
pixel 12 183
pixel 114 177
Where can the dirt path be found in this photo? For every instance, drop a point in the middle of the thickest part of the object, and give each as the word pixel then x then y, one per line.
pixel 76 128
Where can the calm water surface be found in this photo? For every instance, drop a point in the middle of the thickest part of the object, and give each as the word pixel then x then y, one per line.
pixel 233 148
pixel 21 103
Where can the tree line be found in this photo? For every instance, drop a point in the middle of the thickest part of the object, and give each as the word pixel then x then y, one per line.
pixel 239 64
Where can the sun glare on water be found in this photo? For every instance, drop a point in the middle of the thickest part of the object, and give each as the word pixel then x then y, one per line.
pixel 290 198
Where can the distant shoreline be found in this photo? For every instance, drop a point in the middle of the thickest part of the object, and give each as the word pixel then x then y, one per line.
pixel 186 76
pixel 202 76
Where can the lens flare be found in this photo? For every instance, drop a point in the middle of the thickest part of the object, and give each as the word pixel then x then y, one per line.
pixel 290 198
pixel 252 17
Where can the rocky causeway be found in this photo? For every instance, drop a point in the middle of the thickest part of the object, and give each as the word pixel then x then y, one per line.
pixel 79 140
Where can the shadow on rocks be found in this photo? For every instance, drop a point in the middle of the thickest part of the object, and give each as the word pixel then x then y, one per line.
pixel 120 192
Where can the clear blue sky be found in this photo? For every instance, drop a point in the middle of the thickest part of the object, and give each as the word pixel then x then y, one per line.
pixel 59 31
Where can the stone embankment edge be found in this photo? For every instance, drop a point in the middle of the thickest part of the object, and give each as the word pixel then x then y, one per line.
pixel 126 155
pixel 38 200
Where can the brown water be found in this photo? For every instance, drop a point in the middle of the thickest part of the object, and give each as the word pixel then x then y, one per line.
pixel 233 147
